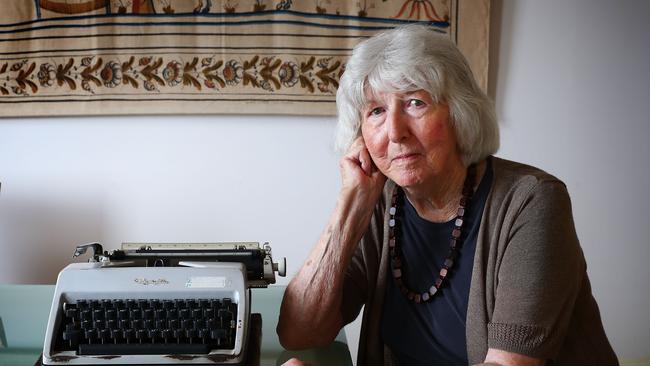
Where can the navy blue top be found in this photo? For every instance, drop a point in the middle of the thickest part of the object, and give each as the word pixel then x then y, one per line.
pixel 432 333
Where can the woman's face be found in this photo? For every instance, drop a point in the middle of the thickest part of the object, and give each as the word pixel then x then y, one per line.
pixel 409 137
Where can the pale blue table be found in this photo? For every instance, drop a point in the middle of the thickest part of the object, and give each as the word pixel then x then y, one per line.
pixel 24 310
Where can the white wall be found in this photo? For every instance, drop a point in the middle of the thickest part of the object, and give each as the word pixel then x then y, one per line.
pixel 572 89
pixel 223 178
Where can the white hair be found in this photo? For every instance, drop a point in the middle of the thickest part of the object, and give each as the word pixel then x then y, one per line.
pixel 410 58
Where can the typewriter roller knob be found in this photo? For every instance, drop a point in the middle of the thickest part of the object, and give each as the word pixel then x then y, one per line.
pixel 95 247
pixel 281 267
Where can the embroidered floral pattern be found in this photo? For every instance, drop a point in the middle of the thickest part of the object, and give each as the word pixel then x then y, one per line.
pixel 288 74
pixel 111 74
pixel 158 74
pixel 46 75
pixel 172 73
pixel 233 72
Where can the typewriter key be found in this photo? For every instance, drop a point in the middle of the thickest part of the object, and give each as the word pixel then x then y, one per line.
pixel 111 314
pixel 148 314
pixel 129 335
pixel 72 313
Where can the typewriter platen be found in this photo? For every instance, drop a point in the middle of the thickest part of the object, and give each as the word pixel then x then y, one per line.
pixel 157 303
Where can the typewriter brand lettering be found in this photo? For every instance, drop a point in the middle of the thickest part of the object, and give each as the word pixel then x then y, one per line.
pixel 147 282
pixel 208 282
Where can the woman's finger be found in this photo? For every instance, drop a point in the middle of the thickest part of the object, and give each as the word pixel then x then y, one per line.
pixel 366 161
pixel 359 153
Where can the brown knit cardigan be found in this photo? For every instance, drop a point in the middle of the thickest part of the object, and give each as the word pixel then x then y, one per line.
pixel 529 292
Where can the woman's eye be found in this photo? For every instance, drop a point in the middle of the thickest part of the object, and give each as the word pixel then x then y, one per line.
pixel 415 103
pixel 376 111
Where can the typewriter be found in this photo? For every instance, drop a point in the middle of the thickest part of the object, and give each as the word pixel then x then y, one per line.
pixel 158 303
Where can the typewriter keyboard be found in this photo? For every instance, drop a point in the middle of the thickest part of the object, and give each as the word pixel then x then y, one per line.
pixel 137 326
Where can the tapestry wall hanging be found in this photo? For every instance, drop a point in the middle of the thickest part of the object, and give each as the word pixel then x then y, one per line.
pixel 85 57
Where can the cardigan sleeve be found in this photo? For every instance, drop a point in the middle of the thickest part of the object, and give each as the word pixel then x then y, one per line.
pixel 539 275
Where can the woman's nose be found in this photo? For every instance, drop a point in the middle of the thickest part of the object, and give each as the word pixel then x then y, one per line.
pixel 397 125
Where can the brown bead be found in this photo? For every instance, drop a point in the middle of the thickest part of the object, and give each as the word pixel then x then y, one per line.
pixel 417 298
pixel 463 201
pixel 453 243
pixel 410 295
pixel 448 263
pixel 403 290
pixel 397 262
pixel 456 233
pixel 438 282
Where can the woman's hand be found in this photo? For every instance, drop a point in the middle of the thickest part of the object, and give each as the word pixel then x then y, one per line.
pixel 358 172
pixel 295 362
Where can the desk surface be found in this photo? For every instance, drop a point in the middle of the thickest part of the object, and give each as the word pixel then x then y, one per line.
pixel 24 310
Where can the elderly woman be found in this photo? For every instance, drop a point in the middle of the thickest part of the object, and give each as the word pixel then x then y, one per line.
pixel 458 256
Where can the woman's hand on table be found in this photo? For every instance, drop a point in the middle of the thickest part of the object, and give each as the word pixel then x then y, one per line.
pixel 295 362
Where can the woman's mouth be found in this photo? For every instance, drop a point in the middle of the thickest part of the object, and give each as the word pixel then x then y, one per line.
pixel 405 158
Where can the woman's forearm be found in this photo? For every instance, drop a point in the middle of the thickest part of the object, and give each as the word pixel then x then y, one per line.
pixel 311 309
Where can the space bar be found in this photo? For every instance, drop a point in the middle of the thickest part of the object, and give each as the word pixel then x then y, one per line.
pixel 143 349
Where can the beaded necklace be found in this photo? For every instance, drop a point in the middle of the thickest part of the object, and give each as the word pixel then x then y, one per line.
pixel 454 244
